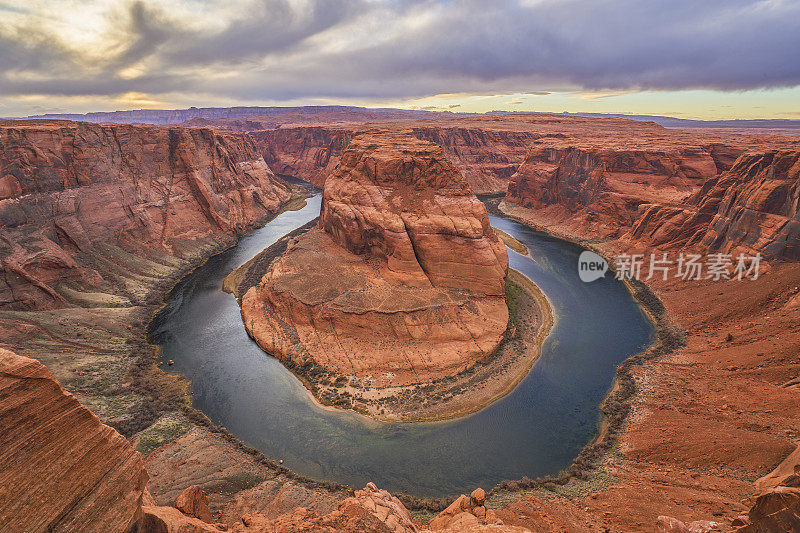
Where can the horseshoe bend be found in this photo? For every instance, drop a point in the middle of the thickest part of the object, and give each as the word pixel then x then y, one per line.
pixel 401 284
pixel 191 341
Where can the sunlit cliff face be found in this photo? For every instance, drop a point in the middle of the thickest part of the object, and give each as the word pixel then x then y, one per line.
pixel 678 58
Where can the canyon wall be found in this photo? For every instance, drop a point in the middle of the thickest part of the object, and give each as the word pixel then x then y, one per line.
pixel 403 278
pixel 83 205
pixel 309 152
pixel 752 208
pixel 602 187
pixel 669 197
pixel 489 150
pixel 485 157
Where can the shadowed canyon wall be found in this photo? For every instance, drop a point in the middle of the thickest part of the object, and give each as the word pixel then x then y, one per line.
pixel 604 186
pixel 82 206
pixel 752 208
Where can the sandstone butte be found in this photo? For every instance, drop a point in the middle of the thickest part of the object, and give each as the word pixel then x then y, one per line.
pixel 403 277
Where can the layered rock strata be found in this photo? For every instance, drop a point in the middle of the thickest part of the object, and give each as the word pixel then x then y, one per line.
pixel 485 157
pixel 752 208
pixel 84 207
pixel 61 469
pixel 403 281
pixel 602 187
pixel 488 150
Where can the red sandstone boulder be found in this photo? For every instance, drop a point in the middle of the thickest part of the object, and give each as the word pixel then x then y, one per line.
pixel 171 520
pixel 467 513
pixel 477 497
pixel 668 524
pixel 369 510
pixel 194 502
pixel 786 474
pixel 775 511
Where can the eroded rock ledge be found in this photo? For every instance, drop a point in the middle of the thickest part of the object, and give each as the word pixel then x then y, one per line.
pixel 402 282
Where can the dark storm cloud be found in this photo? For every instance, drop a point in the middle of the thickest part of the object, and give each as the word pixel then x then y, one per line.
pixel 454 46
pixel 272 27
pixel 20 50
pixel 600 44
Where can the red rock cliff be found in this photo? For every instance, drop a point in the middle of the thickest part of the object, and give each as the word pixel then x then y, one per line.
pixel 308 152
pixel 78 201
pixel 753 207
pixel 486 158
pixel 404 279
pixel 61 469
pixel 601 187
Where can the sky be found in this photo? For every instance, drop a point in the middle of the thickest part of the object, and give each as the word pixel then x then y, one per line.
pixel 707 59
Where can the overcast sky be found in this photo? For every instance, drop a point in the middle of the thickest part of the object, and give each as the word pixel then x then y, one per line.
pixel 690 58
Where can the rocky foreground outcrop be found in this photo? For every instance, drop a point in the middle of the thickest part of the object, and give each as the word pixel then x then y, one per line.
pixel 752 208
pixel 88 210
pixel 403 281
pixel 61 469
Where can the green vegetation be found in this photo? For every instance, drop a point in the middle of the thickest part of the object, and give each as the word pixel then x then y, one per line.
pixel 166 429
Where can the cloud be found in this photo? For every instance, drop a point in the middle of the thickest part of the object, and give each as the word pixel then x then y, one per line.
pixel 599 95
pixel 278 50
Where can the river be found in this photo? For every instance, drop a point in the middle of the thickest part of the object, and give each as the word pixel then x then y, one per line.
pixel 537 429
